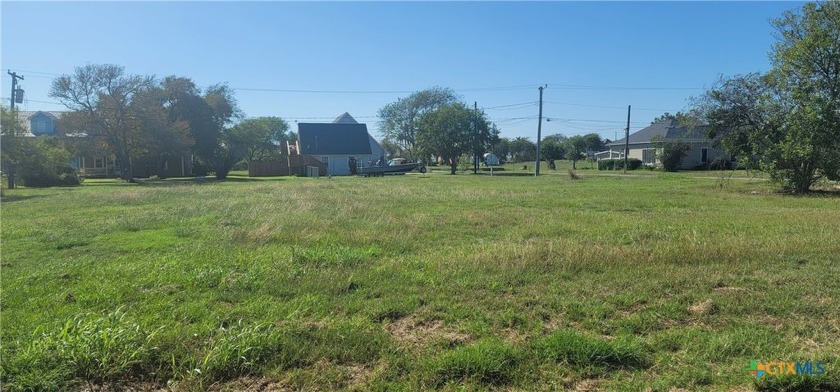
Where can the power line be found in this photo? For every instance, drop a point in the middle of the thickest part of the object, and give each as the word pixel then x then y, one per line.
pixel 474 89
pixel 37 72
pixel 33 100
pixel 605 107
pixel 513 106
pixel 586 87
pixel 588 120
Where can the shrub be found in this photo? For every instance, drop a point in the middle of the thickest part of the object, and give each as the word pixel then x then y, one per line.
pixel 200 168
pixel 618 164
pixel 672 154
pixel 65 177
pixel 43 162
pixel 633 163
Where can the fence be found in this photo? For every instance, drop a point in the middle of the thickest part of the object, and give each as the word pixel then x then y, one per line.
pixel 294 165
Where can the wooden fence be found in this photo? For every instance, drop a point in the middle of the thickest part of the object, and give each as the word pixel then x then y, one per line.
pixel 294 165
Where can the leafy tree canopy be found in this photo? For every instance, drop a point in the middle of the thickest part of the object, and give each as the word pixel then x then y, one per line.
pixel 399 121
pixel 452 130
pixel 787 120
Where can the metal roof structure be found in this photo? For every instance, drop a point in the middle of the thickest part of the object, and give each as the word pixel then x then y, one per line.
pixel 334 138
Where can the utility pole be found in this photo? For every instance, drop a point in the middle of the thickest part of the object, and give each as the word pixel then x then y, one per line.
pixel 15 78
pixel 475 141
pixel 627 139
pixel 10 171
pixel 539 134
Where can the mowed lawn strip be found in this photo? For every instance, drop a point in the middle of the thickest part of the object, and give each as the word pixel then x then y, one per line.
pixel 413 282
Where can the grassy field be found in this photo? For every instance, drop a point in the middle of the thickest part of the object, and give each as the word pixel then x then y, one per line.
pixel 411 282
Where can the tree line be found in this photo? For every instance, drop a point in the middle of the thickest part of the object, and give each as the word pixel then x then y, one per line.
pixel 435 123
pixel 130 116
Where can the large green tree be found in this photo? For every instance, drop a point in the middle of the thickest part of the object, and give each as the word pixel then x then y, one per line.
pixel 501 148
pixel 552 147
pixel 399 121
pixel 574 148
pixel 522 149
pixel 186 103
pixel 594 143
pixel 210 115
pixel 100 96
pixel 231 148
pixel 787 120
pixel 165 136
pixel 262 137
pixel 451 131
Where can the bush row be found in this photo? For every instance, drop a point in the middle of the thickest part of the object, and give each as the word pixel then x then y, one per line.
pixel 66 177
pixel 618 164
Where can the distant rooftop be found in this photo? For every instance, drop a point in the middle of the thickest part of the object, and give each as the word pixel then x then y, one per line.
pixel 668 129
pixel 345 118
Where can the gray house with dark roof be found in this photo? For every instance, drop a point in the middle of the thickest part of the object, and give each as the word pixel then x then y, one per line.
pixel 641 144
pixel 334 143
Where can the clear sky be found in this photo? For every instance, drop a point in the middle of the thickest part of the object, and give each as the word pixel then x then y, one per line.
pixel 312 61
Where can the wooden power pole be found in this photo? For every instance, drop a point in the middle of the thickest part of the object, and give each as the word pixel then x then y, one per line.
pixel 539 134
pixel 627 140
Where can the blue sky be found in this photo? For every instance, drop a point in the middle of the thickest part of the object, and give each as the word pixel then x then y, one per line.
pixel 595 57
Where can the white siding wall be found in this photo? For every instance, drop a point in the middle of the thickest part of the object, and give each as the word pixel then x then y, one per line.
pixel 338 165
pixel 692 159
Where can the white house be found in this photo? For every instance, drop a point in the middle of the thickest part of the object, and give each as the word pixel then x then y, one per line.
pixel 334 143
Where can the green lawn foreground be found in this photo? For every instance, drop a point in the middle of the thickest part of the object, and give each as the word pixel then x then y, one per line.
pixel 418 282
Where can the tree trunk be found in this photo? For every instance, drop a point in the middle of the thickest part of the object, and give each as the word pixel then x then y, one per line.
pixel 10 179
pixel 453 166
pixel 126 172
pixel 161 172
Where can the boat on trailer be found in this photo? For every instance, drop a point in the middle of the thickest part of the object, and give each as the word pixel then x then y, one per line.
pixel 394 166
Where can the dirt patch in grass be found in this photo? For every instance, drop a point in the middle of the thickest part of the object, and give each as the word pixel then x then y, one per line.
pixel 704 307
pixel 587 385
pixel 414 331
pixel 251 384
pixel 515 336
pixel 131 387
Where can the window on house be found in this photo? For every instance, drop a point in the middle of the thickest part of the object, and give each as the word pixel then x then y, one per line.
pixel 704 154
pixel 41 126
pixel 648 156
pixel 99 163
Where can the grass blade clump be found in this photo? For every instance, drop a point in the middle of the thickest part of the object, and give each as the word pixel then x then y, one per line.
pixel 585 352
pixel 489 361
pixel 97 349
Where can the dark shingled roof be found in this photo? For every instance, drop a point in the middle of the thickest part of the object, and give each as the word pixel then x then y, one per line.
pixel 333 139
pixel 669 129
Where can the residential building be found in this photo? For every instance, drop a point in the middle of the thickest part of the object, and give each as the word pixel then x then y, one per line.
pixel 334 143
pixel 642 144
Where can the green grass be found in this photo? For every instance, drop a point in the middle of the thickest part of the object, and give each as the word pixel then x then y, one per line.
pixel 419 282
